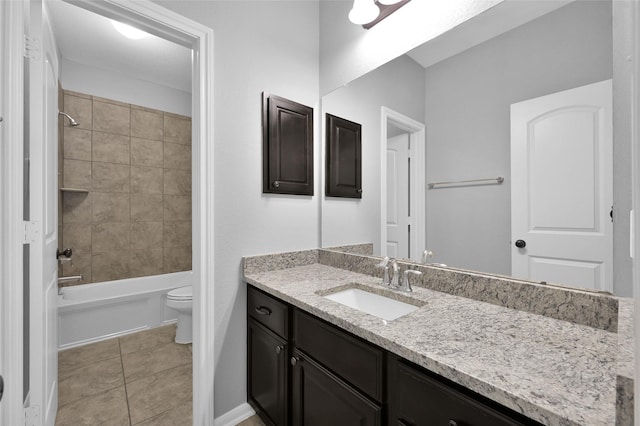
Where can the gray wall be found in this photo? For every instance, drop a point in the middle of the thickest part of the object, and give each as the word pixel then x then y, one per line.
pixel 396 85
pixel 468 101
pixel 259 46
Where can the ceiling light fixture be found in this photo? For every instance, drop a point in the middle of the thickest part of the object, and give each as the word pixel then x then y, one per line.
pixel 128 30
pixel 369 12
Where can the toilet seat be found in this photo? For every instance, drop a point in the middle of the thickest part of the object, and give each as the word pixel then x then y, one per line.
pixel 182 293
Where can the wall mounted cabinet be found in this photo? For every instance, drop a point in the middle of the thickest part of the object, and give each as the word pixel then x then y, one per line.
pixel 344 158
pixel 287 144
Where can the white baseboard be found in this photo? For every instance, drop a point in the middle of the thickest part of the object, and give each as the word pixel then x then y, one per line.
pixel 235 416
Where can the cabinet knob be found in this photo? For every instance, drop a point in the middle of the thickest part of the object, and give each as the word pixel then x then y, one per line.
pixel 279 349
pixel 295 360
pixel 276 184
pixel 521 243
pixel 359 190
pixel 453 423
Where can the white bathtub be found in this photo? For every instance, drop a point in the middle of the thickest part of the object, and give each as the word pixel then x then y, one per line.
pixel 92 312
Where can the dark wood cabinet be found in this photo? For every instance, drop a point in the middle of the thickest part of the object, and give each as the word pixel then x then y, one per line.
pixel 267 373
pixel 302 370
pixel 320 398
pixel 344 158
pixel 287 143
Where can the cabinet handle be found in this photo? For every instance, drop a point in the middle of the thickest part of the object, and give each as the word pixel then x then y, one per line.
pixel 263 310
pixel 279 349
pixel 295 360
pixel 453 423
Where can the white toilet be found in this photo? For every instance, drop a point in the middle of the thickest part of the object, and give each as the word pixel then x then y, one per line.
pixel 181 299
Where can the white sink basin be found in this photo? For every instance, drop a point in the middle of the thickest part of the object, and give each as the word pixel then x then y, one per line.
pixel 371 303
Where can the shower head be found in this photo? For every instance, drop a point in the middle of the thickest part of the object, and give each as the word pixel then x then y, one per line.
pixel 72 122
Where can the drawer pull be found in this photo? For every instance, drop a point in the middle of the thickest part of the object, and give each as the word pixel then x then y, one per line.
pixel 279 349
pixel 295 360
pixel 453 423
pixel 263 310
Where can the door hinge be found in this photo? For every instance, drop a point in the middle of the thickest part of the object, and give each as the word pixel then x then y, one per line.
pixel 32 416
pixel 31 232
pixel 31 48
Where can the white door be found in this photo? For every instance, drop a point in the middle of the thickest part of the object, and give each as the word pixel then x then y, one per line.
pixel 398 221
pixel 561 189
pixel 43 213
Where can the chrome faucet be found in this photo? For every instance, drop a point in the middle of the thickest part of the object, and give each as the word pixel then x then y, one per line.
pixel 396 274
pixel 384 264
pixel 406 285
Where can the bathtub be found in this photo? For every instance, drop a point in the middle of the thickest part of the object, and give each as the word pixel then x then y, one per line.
pixel 92 312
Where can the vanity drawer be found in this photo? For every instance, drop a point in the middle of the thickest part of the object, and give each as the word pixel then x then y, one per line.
pixel 268 311
pixel 351 358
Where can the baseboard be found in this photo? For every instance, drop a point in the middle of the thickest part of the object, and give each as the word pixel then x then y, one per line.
pixel 235 416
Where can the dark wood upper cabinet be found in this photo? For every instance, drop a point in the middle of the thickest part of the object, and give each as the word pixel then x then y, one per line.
pixel 287 146
pixel 344 158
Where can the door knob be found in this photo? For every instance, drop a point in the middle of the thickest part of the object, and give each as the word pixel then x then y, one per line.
pixel 521 243
pixel 279 349
pixel 295 360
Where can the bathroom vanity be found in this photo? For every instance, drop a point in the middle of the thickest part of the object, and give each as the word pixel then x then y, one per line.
pixel 453 361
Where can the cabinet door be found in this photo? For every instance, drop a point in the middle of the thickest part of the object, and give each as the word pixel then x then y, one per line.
pixel 319 398
pixel 423 400
pixel 267 374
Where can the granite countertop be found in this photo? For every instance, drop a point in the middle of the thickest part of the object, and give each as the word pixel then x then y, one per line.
pixel 553 371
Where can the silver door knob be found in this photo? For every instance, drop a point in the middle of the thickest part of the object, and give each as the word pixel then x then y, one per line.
pixel 279 349
pixel 295 360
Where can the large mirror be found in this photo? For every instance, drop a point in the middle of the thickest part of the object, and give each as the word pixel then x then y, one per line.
pixel 455 115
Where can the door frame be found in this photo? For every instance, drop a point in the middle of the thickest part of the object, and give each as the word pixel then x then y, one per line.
pixel 416 132
pixel 172 26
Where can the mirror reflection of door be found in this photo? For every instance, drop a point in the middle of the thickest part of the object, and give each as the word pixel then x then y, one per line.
pixel 398 201
pixel 561 193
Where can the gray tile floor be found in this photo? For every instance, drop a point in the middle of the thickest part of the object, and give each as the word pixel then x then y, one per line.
pixel 140 379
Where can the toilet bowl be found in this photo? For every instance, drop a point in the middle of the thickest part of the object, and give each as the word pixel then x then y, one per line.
pixel 181 299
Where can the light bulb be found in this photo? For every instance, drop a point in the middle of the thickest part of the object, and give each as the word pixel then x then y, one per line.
pixel 128 30
pixel 363 12
pixel 389 2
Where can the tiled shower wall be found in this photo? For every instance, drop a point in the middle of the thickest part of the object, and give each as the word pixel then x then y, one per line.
pixel 135 162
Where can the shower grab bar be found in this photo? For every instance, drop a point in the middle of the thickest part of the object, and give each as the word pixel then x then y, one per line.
pixel 498 179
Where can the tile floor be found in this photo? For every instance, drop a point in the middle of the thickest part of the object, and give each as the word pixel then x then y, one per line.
pixel 140 379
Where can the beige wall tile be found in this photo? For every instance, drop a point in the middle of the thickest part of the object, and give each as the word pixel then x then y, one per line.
pixel 78 94
pixel 177 156
pixel 80 109
pixel 177 130
pixel 111 118
pixel 111 177
pixel 177 182
pixel 110 148
pixel 76 207
pixel 177 207
pixel 146 180
pixel 109 237
pixel 177 234
pixel 146 235
pixel 77 174
pixel 176 259
pixel 110 207
pixel 111 101
pixel 145 263
pixel 110 266
pixel 146 124
pixel 80 264
pixel 146 207
pixel 146 152
pixel 77 144
pixel 77 236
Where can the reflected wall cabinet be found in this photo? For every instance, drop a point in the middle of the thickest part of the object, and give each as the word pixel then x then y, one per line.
pixel 344 158
pixel 287 144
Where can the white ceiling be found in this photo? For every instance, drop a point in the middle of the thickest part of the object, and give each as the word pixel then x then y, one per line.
pixel 497 20
pixel 91 39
